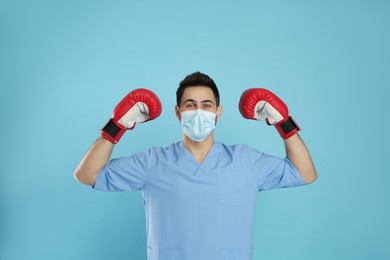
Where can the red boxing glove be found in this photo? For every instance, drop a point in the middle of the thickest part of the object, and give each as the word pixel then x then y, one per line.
pixel 138 106
pixel 262 104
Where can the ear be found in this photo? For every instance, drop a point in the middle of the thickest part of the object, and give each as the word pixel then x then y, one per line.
pixel 177 112
pixel 219 112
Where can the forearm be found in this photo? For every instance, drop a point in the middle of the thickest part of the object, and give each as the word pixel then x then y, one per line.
pixel 93 161
pixel 299 155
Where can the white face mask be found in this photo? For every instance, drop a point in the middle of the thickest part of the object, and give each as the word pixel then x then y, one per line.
pixel 197 124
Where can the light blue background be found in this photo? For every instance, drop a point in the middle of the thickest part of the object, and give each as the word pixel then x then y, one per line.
pixel 65 65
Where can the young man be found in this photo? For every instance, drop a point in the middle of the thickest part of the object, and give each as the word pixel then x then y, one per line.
pixel 199 195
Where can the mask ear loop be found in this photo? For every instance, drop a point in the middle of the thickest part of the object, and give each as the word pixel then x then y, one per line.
pixel 216 115
pixel 181 118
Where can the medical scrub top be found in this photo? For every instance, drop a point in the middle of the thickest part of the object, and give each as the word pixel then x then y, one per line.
pixel 198 211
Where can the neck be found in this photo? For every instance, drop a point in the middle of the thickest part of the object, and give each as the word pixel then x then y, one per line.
pixel 199 149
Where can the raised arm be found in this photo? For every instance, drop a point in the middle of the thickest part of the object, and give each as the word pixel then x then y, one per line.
pixel 93 161
pixel 262 104
pixel 138 106
pixel 299 155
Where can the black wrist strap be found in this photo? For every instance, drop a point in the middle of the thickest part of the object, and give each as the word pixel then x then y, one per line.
pixel 289 125
pixel 111 128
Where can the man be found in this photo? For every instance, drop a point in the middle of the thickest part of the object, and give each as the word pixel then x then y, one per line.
pixel 199 195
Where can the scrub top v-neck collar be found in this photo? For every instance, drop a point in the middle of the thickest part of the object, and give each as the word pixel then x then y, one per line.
pixel 196 168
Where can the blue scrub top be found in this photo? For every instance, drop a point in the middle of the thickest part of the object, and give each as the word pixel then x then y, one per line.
pixel 199 211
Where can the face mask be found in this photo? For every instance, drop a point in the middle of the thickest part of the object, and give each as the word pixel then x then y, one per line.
pixel 197 124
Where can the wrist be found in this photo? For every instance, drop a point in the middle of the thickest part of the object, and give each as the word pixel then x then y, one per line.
pixel 113 131
pixel 287 127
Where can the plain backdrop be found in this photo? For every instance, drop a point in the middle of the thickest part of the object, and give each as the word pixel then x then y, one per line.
pixel 64 65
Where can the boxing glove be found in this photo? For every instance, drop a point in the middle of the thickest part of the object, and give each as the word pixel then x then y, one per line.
pixel 262 104
pixel 139 106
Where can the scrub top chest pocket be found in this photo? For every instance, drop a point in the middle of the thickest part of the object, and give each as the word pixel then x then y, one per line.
pixel 232 187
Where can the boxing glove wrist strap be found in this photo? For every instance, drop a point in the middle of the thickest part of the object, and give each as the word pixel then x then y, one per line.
pixel 287 128
pixel 112 132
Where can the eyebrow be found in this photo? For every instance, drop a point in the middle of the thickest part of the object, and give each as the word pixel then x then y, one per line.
pixel 203 101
